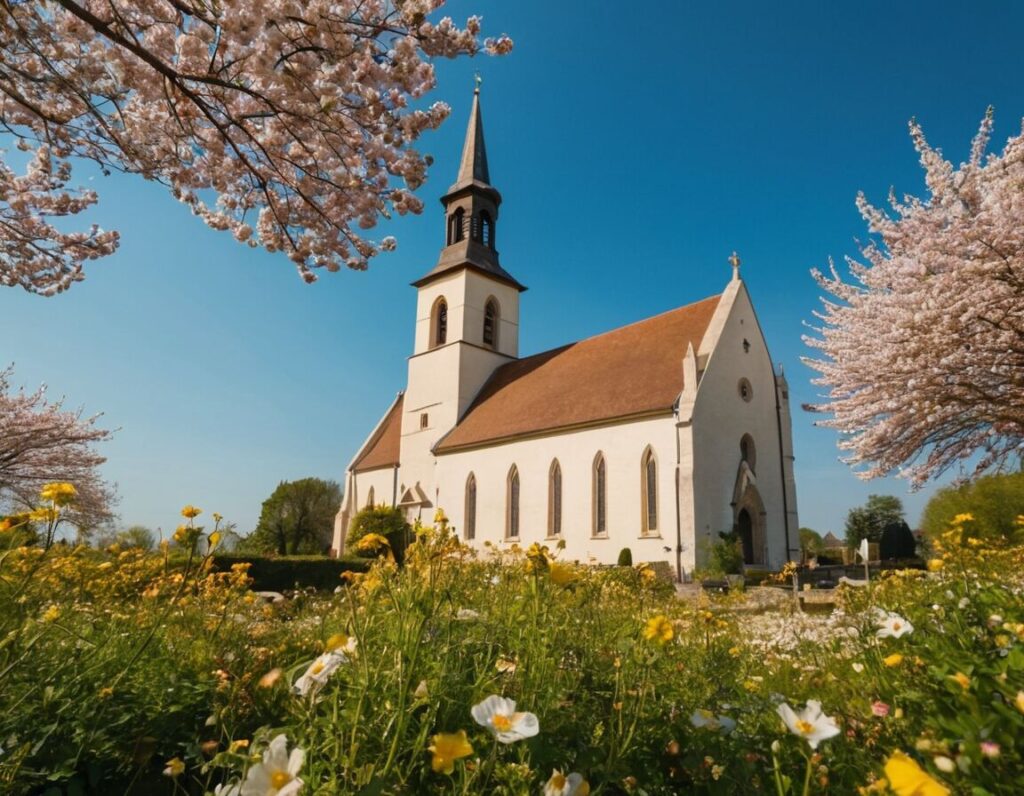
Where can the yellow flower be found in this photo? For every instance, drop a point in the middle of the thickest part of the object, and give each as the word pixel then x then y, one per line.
pixel 59 493
pixel 1019 701
pixel 268 680
pixel 907 778
pixel 236 746
pixel 191 512
pixel 446 748
pixel 175 767
pixel 214 539
pixel 962 679
pixel 658 629
pixel 935 564
pixel 51 614
pixel 893 660
pixel 561 574
pixel 960 519
pixel 43 514
pixel 217 517
pixel 106 692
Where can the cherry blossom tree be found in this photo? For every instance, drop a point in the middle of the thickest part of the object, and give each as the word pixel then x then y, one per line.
pixel 923 345
pixel 289 123
pixel 42 442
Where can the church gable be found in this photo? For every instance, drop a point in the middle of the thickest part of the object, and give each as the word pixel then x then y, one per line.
pixel 629 372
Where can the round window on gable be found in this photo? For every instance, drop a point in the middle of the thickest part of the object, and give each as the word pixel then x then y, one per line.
pixel 745 390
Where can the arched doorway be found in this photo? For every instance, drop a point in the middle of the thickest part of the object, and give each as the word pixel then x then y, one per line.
pixel 745 530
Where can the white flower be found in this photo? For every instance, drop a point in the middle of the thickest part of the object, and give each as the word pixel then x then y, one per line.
pixel 892 625
pixel 705 719
pixel 319 671
pixel 499 716
pixel 464 614
pixel 277 775
pixel 566 785
pixel 811 724
pixel 227 790
pixel 857 667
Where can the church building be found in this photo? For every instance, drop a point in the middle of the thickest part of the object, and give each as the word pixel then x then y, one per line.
pixel 655 436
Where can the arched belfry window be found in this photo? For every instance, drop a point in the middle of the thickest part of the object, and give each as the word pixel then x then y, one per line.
pixel 512 510
pixel 491 323
pixel 456 226
pixel 486 229
pixel 649 491
pixel 748 453
pixel 600 496
pixel 470 526
pixel 369 498
pixel 439 323
pixel 555 499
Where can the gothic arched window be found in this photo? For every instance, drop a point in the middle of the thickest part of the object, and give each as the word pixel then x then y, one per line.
pixel 748 453
pixel 512 512
pixel 600 499
pixel 486 234
pixel 491 323
pixel 555 499
pixel 649 491
pixel 439 323
pixel 456 226
pixel 471 507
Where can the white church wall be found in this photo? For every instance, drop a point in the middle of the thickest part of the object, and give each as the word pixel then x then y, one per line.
pixel 477 291
pixel 720 419
pixel 623 447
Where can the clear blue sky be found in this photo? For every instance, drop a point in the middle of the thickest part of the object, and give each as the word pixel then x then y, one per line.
pixel 635 148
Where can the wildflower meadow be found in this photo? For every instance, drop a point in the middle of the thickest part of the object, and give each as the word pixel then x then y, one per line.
pixel 511 672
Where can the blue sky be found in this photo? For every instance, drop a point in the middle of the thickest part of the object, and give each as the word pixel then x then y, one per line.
pixel 635 148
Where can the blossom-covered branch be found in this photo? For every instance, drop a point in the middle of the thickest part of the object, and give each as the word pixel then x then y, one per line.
pixel 286 122
pixel 923 347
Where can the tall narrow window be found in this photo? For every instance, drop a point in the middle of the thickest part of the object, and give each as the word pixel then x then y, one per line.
pixel 512 514
pixel 440 320
pixel 555 499
pixel 491 323
pixel 649 490
pixel 486 229
pixel 748 452
pixel 471 507
pixel 369 497
pixel 600 496
pixel 457 226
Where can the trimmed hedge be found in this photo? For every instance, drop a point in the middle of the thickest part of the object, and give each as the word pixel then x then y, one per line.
pixel 286 573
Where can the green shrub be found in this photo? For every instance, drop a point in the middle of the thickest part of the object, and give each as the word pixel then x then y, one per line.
pixel 727 555
pixel 388 521
pixel 280 574
pixel 625 557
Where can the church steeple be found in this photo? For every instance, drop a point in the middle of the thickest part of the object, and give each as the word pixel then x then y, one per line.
pixel 471 212
pixel 474 154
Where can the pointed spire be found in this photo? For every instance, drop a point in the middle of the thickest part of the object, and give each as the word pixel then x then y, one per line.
pixel 474 154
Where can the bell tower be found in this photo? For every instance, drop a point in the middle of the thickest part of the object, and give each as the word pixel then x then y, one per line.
pixel 467 312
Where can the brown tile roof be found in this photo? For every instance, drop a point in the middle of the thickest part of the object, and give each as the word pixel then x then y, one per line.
pixel 634 370
pixel 382 449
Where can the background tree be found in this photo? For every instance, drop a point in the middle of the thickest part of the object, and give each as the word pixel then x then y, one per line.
pixel 869 521
pixel 297 518
pixel 42 442
pixel 923 349
pixel 138 536
pixel 811 542
pixel 995 501
pixel 286 122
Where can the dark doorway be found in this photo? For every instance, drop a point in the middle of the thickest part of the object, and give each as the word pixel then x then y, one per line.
pixel 745 529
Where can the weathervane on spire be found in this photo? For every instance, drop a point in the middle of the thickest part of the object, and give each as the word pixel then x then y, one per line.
pixel 477 80
pixel 734 261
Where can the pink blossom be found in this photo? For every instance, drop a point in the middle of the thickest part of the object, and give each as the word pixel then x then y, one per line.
pixel 289 124
pixel 879 709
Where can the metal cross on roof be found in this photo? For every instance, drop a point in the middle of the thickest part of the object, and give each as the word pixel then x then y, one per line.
pixel 734 260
